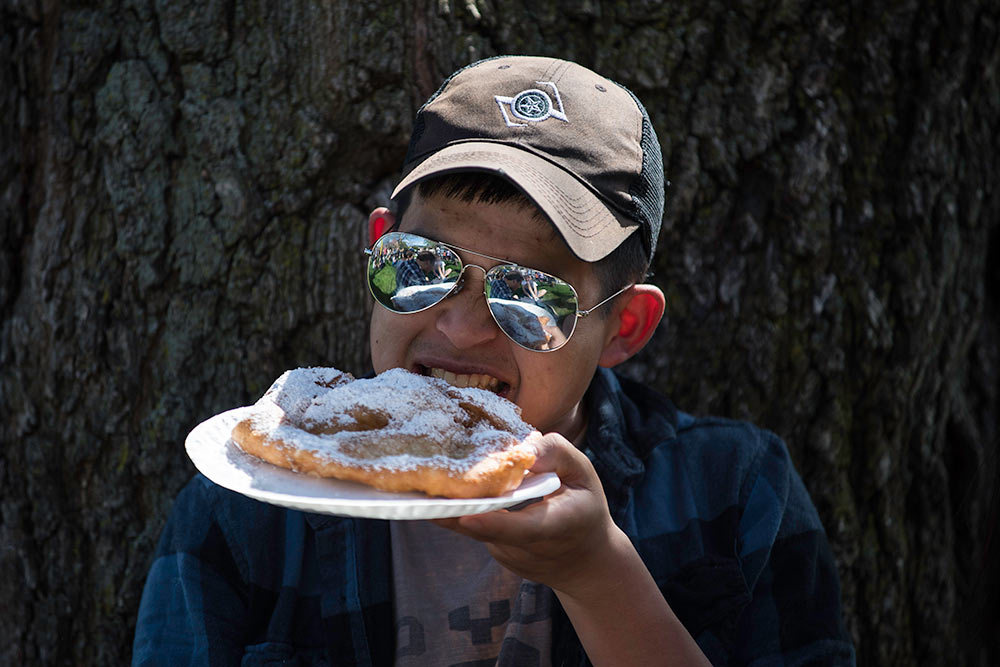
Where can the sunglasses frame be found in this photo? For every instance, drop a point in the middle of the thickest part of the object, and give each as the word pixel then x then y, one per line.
pixel 460 282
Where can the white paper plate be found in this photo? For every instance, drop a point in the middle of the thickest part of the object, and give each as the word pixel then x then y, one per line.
pixel 216 456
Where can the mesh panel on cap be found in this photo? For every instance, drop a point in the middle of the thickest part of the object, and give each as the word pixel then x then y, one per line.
pixel 647 188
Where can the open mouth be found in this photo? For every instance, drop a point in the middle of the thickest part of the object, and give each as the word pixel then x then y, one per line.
pixel 475 380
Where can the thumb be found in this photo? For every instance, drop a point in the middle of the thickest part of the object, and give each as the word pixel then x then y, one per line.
pixel 554 453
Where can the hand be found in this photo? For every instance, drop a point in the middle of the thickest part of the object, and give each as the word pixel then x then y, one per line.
pixel 561 541
pixel 569 543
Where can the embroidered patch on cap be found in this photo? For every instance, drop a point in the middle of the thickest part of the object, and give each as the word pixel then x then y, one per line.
pixel 533 105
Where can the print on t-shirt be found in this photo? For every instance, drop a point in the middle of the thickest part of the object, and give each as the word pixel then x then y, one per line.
pixel 456 606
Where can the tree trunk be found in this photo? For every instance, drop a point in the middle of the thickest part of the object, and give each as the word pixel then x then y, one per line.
pixel 184 187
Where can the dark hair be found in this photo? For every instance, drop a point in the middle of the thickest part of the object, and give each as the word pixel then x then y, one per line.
pixel 626 264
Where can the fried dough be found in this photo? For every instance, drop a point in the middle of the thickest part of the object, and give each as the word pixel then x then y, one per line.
pixel 398 431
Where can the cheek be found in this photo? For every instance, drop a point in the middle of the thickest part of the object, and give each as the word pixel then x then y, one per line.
pixel 381 340
pixel 548 386
pixel 558 380
pixel 392 337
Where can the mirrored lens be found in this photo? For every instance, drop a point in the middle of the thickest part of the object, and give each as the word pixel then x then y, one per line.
pixel 537 310
pixel 408 273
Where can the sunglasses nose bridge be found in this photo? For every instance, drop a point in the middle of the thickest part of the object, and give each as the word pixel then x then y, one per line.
pixel 476 266
pixel 460 282
pixel 466 267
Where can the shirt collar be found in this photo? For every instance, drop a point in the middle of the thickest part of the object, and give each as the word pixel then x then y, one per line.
pixel 626 421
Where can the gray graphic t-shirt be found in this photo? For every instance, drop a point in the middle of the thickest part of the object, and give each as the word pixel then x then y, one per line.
pixel 456 606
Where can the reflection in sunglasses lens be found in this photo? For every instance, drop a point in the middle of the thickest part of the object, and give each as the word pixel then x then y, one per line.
pixel 536 310
pixel 408 273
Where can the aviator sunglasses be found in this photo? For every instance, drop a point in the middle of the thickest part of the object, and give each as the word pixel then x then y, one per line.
pixel 538 311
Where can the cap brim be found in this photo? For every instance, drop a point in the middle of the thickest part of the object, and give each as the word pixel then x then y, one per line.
pixel 591 229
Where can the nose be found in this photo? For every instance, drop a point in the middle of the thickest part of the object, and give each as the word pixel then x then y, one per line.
pixel 464 318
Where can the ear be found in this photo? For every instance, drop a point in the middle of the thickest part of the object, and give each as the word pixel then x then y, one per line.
pixel 380 221
pixel 637 321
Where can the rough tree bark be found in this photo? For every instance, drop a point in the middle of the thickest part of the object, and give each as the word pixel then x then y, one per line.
pixel 184 186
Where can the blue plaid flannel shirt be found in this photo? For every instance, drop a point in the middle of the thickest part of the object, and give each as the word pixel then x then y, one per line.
pixel 408 273
pixel 714 507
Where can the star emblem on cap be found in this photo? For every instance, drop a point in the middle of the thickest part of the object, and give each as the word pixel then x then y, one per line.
pixel 533 105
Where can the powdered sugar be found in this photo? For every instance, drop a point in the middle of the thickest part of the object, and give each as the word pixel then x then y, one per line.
pixel 296 389
pixel 447 426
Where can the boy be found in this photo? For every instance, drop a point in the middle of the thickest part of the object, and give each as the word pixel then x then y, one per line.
pixel 673 540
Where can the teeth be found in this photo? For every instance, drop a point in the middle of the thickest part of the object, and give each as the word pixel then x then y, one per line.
pixel 477 380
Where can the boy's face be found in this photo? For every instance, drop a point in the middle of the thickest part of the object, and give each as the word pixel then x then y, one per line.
pixel 459 335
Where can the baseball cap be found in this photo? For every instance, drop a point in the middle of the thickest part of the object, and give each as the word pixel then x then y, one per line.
pixel 577 144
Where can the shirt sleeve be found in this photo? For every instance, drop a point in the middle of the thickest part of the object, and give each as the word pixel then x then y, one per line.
pixel 794 616
pixel 194 603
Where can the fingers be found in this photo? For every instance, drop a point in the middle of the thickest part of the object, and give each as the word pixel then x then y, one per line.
pixel 502 526
pixel 548 541
pixel 574 505
pixel 576 501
